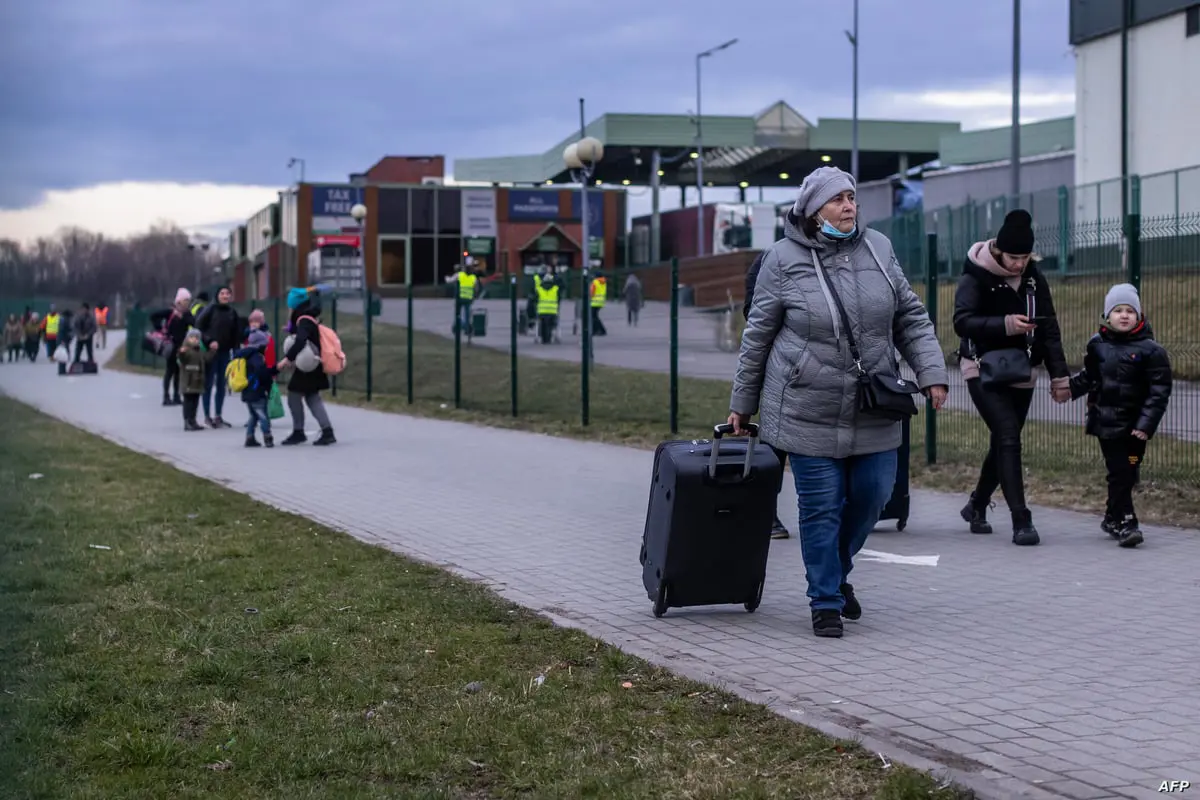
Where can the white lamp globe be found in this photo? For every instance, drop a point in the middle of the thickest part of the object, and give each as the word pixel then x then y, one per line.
pixel 359 212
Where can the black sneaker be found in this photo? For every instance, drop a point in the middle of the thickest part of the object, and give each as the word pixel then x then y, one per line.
pixel 779 530
pixel 1111 526
pixel 827 623
pixel 1024 534
pixel 252 442
pixel 191 425
pixel 167 401
pixel 220 423
pixel 975 515
pixel 176 401
pixel 268 440
pixel 326 438
pixel 209 422
pixel 1129 534
pixel 851 609
pixel 297 437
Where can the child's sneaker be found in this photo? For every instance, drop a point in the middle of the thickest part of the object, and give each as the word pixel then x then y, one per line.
pixel 1129 534
pixel 252 442
pixel 268 440
pixel 1111 526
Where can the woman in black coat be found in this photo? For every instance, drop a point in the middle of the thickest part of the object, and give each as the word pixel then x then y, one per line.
pixel 304 388
pixel 1003 303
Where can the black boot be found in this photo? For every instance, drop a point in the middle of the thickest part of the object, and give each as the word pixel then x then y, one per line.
pixel 326 438
pixel 268 440
pixel 166 400
pixel 827 623
pixel 974 514
pixel 192 425
pixel 1023 531
pixel 252 442
pixel 851 609
pixel 1128 533
pixel 1111 525
pixel 297 437
pixel 779 530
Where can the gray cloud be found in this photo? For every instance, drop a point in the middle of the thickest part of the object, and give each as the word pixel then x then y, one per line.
pixel 227 90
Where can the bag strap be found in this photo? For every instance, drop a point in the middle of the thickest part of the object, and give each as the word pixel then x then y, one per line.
pixel 841 310
pixel 1030 309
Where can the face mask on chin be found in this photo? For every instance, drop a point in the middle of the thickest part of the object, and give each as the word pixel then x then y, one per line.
pixel 832 232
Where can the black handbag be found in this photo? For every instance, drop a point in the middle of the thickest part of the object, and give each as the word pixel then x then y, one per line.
pixel 1010 365
pixel 880 394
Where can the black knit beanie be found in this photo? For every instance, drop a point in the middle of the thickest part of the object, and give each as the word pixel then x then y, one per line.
pixel 1016 234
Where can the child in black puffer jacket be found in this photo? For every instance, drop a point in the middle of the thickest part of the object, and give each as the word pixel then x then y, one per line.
pixel 259 380
pixel 1127 378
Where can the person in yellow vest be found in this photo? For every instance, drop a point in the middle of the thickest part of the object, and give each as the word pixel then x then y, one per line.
pixel 198 306
pixel 102 323
pixel 50 327
pixel 547 308
pixel 599 295
pixel 466 284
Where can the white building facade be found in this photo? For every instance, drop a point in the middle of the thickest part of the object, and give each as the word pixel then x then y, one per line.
pixel 1163 135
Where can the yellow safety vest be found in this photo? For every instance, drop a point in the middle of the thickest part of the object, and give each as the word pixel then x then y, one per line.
pixel 599 292
pixel 466 285
pixel 547 302
pixel 52 326
pixel 196 309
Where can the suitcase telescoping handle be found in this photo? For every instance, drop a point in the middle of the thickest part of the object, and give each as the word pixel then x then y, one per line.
pixel 719 432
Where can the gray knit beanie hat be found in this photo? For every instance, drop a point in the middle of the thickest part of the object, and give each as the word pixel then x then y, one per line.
pixel 822 185
pixel 1123 294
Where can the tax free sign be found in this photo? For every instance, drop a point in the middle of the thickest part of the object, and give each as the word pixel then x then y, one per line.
pixel 331 210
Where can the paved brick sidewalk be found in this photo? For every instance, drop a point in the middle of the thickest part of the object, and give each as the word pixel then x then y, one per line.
pixel 1063 671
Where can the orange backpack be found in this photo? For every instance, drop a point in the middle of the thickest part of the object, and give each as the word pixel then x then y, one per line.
pixel 333 360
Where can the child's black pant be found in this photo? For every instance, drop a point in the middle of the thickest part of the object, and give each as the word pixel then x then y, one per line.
pixel 191 404
pixel 1123 458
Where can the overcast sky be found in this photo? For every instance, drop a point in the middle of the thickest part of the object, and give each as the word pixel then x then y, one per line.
pixel 208 100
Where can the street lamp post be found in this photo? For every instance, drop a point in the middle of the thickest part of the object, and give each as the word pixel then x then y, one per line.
pixel 293 161
pixel 700 148
pixel 853 37
pixel 359 212
pixel 266 234
pixel 1015 154
pixel 581 158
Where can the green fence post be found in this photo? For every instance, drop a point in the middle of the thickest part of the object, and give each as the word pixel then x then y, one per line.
pixel 457 353
pixel 332 324
pixel 367 302
pixel 512 339
pixel 1064 228
pixel 931 305
pixel 674 345
pixel 1133 233
pixel 408 344
pixel 585 355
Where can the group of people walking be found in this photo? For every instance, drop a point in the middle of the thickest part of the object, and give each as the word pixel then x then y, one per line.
pixel 828 310
pixel 23 335
pixel 202 337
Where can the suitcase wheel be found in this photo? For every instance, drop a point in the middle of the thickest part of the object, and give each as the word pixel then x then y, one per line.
pixel 901 524
pixel 660 603
pixel 752 604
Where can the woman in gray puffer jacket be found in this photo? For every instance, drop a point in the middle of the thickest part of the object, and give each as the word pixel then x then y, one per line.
pixel 795 370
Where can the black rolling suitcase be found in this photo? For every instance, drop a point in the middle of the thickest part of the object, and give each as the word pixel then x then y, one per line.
pixel 708 522
pixel 897 506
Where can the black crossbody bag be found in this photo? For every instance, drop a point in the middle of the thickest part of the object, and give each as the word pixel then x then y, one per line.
pixel 1010 365
pixel 880 394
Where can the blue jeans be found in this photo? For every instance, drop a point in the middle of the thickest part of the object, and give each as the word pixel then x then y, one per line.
pixel 464 315
pixel 214 377
pixel 259 416
pixel 840 501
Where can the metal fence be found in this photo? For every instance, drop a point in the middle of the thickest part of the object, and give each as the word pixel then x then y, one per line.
pixel 668 371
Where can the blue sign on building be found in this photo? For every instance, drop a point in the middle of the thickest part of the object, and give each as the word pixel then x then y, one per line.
pixel 595 210
pixel 537 204
pixel 334 201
